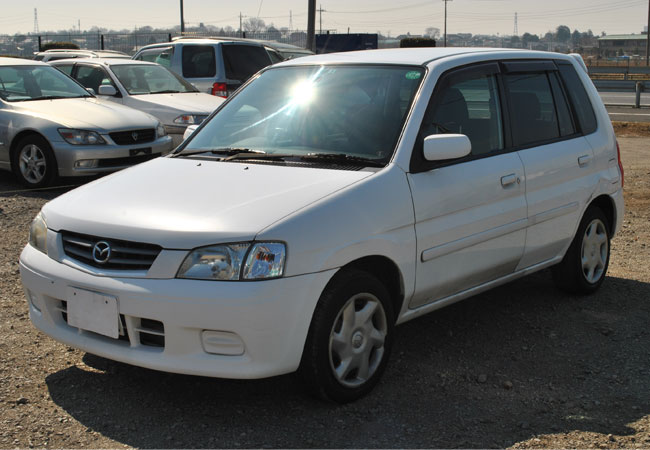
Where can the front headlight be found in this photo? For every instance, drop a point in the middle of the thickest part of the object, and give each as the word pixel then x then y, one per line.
pixel 160 130
pixel 38 233
pixel 81 137
pixel 190 119
pixel 232 262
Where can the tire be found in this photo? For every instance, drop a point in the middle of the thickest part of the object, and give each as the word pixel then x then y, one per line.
pixel 584 266
pixel 349 339
pixel 33 162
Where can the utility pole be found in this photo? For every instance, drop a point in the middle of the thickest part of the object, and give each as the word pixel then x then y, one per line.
pixel 290 21
pixel 182 19
pixel 446 20
pixel 241 30
pixel 320 13
pixel 647 39
pixel 311 24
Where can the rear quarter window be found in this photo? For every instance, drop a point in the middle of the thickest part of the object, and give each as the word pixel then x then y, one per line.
pixel 243 61
pixel 199 61
pixel 584 111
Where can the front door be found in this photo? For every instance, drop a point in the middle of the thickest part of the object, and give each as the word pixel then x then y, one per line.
pixel 470 214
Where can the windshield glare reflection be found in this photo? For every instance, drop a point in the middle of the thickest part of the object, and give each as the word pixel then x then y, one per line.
pixel 349 110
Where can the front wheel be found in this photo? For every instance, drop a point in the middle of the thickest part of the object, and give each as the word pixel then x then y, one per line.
pixel 584 266
pixel 350 337
pixel 33 162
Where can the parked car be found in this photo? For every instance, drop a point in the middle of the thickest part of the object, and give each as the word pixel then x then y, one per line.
pixel 332 198
pixel 215 66
pixel 50 126
pixel 145 86
pixel 287 51
pixel 57 54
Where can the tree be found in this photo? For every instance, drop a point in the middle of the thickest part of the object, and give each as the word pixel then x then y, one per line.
pixel 432 32
pixel 563 33
pixel 576 36
pixel 527 38
pixel 254 24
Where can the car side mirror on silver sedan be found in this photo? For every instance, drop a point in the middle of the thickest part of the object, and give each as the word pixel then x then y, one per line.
pixel 107 90
pixel 441 147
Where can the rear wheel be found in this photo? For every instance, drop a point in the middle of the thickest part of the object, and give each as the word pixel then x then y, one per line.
pixel 584 266
pixel 350 337
pixel 33 162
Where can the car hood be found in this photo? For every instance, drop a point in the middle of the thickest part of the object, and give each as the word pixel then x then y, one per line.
pixel 188 103
pixel 87 113
pixel 182 203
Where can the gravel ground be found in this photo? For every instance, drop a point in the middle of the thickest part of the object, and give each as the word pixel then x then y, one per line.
pixel 523 365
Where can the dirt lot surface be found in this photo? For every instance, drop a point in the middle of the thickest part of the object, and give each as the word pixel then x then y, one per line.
pixel 524 365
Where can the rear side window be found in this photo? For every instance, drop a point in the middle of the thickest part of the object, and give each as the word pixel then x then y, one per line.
pixel 534 117
pixel 562 107
pixel 579 98
pixel 198 61
pixel 243 61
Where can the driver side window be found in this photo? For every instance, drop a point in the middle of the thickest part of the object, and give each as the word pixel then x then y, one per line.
pixel 467 103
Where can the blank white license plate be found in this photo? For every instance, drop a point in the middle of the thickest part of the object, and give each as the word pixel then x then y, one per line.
pixel 93 311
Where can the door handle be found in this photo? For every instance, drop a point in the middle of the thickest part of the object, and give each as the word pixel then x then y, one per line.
pixel 584 160
pixel 507 180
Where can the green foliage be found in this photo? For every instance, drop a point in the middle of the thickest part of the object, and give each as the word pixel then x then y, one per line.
pixel 59 45
pixel 563 33
pixel 417 42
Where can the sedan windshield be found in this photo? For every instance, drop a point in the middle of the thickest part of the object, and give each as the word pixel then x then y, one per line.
pixel 24 83
pixel 140 79
pixel 356 111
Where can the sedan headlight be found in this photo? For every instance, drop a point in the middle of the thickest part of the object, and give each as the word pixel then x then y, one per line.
pixel 81 137
pixel 160 130
pixel 190 119
pixel 38 233
pixel 232 262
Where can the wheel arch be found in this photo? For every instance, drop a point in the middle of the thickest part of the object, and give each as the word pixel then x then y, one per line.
pixel 387 272
pixel 20 136
pixel 607 206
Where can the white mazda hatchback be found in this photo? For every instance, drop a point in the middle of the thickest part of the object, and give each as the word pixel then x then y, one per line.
pixel 331 198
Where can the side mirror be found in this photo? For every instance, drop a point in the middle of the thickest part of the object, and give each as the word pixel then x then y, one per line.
pixel 441 147
pixel 107 89
pixel 189 130
pixel 90 91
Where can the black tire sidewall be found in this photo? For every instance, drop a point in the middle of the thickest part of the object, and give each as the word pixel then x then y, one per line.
pixel 315 365
pixel 50 161
pixel 570 271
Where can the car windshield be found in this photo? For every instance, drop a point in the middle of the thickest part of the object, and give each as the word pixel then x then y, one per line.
pixel 25 83
pixel 140 79
pixel 355 111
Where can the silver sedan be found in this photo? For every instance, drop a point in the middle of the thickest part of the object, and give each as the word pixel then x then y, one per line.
pixel 51 126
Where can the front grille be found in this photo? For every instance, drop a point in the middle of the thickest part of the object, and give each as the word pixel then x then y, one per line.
pixel 132 137
pixel 126 161
pixel 124 255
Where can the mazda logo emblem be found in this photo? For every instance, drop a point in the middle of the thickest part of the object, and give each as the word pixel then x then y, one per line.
pixel 101 252
pixel 134 135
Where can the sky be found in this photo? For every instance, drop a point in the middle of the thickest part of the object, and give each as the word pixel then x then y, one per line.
pixel 390 17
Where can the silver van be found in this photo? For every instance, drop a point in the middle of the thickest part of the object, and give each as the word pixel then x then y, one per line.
pixel 215 66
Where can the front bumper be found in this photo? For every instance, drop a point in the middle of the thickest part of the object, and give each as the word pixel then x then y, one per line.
pixel 111 156
pixel 270 317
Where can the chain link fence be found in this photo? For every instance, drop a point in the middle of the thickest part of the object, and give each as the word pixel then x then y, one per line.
pixel 26 45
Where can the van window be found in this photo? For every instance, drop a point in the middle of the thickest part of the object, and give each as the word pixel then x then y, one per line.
pixel 199 61
pixel 162 56
pixel 243 61
pixel 532 110
pixel 579 98
pixel 471 107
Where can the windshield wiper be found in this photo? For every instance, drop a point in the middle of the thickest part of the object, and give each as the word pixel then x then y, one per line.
pixel 167 91
pixel 227 151
pixel 343 158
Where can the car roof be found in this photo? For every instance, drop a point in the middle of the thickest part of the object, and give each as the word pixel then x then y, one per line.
pixel 202 40
pixel 105 61
pixel 4 61
pixel 412 56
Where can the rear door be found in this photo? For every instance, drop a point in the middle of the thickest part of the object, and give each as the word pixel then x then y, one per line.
pixel 199 66
pixel 558 160
pixel 470 214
